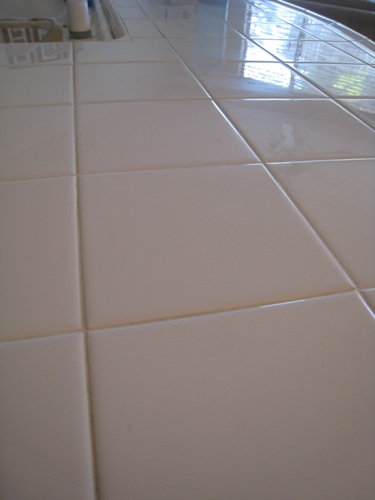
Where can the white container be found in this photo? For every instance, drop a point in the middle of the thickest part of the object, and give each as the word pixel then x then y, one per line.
pixel 78 16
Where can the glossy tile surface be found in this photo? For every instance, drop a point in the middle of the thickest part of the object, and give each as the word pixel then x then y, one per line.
pixel 137 50
pixel 28 151
pixel 127 136
pixel 249 79
pixel 26 86
pixel 179 320
pixel 338 198
pixel 297 129
pixel 232 405
pixel 135 82
pixel 39 285
pixel 173 242
pixel 370 298
pixel 44 440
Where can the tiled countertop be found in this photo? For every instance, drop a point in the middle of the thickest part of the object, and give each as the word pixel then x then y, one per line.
pixel 187 232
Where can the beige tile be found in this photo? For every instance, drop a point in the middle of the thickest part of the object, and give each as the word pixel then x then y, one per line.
pixel 285 130
pixel 134 136
pixel 273 403
pixel 32 85
pixel 39 287
pixel 136 82
pixel 36 142
pixel 338 198
pixel 369 296
pixel 45 439
pixel 250 79
pixel 136 50
pixel 172 242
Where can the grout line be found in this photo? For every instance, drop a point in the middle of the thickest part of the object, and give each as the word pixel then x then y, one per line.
pixel 222 310
pixel 94 460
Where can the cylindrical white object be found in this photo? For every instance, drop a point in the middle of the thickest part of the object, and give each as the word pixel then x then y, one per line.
pixel 78 16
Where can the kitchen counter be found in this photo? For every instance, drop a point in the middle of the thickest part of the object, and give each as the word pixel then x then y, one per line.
pixel 187 259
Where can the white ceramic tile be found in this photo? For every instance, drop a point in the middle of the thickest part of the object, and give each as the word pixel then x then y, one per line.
pixel 307 51
pixel 219 49
pixel 341 80
pixel 249 79
pixel 182 241
pixel 183 11
pixel 267 31
pixel 39 264
pixel 131 12
pixel 135 82
pixel 36 142
pixel 19 54
pixel 137 50
pixel 355 51
pixel 139 28
pixel 194 28
pixel 133 136
pixel 323 32
pixel 31 85
pixel 269 403
pixel 338 198
pixel 283 130
pixel 364 108
pixel 45 447
pixel 370 298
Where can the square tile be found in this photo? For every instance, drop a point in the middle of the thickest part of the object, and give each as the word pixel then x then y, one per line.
pixel 323 32
pixel 338 198
pixel 136 82
pixel 45 150
pixel 39 287
pixel 274 402
pixel 20 54
pixel 32 85
pixel 165 243
pixel 143 135
pixel 285 130
pixel 364 108
pixel 276 31
pixel 193 28
pixel 45 439
pixel 341 80
pixel 219 49
pixel 142 28
pixel 307 51
pixel 248 79
pixel 131 12
pixel 137 50
pixel 355 51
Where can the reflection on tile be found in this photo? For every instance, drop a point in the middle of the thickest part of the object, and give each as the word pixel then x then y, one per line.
pixel 28 151
pixel 247 79
pixel 139 28
pixel 181 28
pixel 172 242
pixel 135 82
pixel 364 108
pixel 306 51
pixel 138 50
pixel 355 51
pixel 219 49
pixel 31 85
pixel 135 136
pixel 214 406
pixel 341 80
pixel 323 32
pixel 283 130
pixel 45 438
pixel 20 54
pixel 39 291
pixel 369 296
pixel 277 31
pixel 338 198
